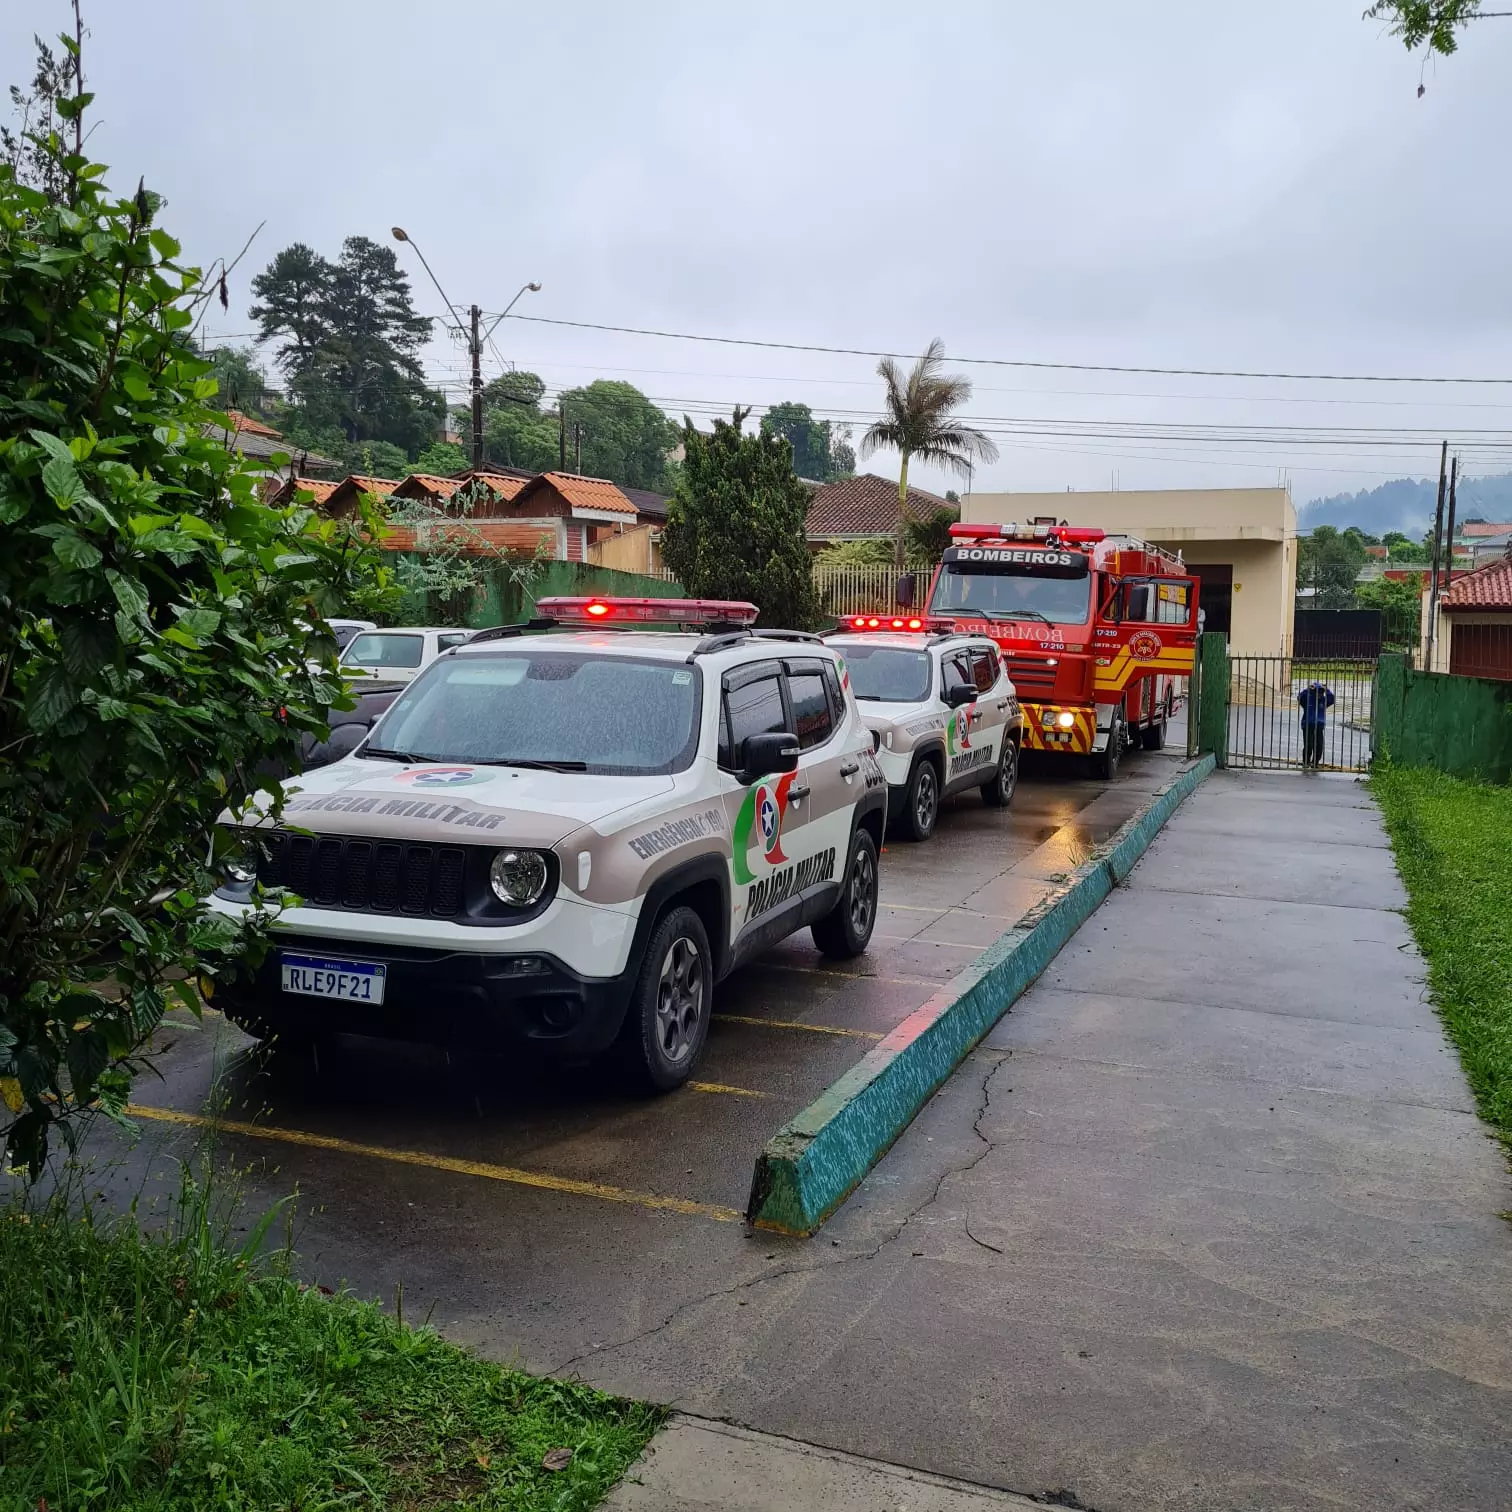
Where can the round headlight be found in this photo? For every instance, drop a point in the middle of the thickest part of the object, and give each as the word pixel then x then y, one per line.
pixel 240 861
pixel 1066 719
pixel 518 877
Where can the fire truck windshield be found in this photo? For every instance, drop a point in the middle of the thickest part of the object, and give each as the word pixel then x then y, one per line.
pixel 995 593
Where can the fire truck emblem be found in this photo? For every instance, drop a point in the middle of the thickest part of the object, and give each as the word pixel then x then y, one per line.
pixel 1145 644
pixel 760 822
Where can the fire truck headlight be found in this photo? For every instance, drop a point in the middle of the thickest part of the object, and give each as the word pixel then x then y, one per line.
pixel 1065 719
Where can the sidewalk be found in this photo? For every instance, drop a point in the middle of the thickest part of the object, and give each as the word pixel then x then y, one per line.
pixel 1208 1222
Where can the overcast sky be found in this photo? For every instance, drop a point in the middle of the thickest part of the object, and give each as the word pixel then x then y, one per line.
pixel 1181 184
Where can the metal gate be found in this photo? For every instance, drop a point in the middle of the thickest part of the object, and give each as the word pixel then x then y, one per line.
pixel 1265 717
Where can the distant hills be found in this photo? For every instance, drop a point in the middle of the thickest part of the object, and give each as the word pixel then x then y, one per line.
pixel 1407 504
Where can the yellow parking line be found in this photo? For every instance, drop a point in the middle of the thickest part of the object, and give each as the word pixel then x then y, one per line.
pixel 721 1087
pixel 444 1163
pixel 771 1023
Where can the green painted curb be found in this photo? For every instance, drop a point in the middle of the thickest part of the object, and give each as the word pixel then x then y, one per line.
pixel 814 1162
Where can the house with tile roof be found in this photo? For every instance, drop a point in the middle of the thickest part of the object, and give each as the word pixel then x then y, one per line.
pixel 863 508
pixel 1476 623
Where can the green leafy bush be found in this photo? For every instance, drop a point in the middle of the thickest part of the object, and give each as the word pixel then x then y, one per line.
pixel 155 633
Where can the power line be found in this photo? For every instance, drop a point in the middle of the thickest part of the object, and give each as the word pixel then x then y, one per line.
pixel 1010 362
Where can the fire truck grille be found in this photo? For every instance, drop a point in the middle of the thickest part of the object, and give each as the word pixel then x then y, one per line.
pixel 368 876
pixel 1030 676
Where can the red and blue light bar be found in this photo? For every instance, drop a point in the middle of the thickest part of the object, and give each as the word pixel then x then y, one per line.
pixel 647 611
pixel 1082 535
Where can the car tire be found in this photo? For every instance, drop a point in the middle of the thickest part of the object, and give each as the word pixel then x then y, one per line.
pixel 1105 762
pixel 846 930
pixel 667 1020
pixel 998 791
pixel 921 802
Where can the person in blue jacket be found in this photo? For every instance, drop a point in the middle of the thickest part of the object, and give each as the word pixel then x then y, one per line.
pixel 1316 701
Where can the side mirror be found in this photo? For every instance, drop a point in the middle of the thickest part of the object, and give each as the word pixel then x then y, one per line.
pixel 903 591
pixel 961 693
pixel 762 755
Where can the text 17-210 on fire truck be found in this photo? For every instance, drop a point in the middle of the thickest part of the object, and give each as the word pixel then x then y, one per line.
pixel 1097 630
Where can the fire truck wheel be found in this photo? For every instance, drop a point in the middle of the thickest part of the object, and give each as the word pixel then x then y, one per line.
pixel 1105 762
pixel 921 806
pixel 998 792
pixel 1155 733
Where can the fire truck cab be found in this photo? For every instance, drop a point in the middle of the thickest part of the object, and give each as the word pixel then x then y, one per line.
pixel 1096 630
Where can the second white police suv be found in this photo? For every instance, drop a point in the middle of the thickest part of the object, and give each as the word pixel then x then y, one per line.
pixel 567 837
pixel 944 711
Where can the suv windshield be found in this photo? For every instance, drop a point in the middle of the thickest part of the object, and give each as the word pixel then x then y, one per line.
pixel 888 674
pixel 1007 592
pixel 378 650
pixel 605 714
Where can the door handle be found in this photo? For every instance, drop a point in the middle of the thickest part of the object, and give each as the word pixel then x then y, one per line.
pixel 849 768
pixel 1002 703
pixel 797 794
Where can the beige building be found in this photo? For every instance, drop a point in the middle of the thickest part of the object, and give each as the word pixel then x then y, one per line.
pixel 1241 542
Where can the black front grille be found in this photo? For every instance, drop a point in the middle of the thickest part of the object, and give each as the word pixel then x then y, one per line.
pixel 373 876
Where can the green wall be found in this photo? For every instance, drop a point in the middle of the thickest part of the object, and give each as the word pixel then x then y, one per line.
pixel 503 603
pixel 1459 725
pixel 1213 693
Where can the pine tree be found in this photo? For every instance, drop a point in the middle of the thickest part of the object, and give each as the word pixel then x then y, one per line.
pixel 735 525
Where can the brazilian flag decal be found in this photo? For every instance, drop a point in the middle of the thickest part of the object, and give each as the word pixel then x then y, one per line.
pixel 759 824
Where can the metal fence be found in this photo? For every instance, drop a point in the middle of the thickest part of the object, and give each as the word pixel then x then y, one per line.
pixel 1265 712
pixel 861 590
pixel 1468 644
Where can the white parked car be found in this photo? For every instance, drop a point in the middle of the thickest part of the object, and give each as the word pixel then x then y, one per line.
pixel 398 655
pixel 565 839
pixel 944 710
pixel 347 630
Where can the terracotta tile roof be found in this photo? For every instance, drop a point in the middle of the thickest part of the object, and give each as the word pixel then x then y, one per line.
pixel 1486 588
pixel 503 483
pixel 319 489
pixel 1484 528
pixel 581 493
pixel 865 505
pixel 250 427
pixel 479 537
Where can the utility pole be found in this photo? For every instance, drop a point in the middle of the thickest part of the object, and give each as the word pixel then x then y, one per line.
pixel 561 435
pixel 475 347
pixel 1433 585
pixel 577 432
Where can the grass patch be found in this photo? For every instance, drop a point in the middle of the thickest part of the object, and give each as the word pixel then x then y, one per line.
pixel 1453 843
pixel 161 1371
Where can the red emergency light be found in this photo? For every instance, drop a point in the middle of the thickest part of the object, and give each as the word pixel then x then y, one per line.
pixel 883 622
pixel 647 611
pixel 1011 531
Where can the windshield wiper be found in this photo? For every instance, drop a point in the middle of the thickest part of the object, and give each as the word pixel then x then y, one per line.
pixel 999 617
pixel 539 766
pixel 409 758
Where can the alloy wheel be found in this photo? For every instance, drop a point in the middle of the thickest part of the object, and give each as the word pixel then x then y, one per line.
pixel 680 999
pixel 863 891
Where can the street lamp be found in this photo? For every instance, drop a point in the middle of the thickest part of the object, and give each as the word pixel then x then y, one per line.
pixel 474 335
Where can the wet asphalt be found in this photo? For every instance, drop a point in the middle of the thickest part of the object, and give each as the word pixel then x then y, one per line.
pixel 537 1210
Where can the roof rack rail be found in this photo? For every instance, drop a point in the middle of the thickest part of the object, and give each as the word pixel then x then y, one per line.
pixel 720 642
pixel 506 632
pixel 794 635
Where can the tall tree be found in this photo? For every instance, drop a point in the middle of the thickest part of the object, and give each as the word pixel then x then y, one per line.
pixel 293 299
pixel 625 437
pixel 240 383
pixel 735 524
pixel 515 431
pixel 1435 22
pixel 821 450
pixel 920 423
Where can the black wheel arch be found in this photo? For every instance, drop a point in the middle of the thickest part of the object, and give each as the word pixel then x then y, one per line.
pixel 703 883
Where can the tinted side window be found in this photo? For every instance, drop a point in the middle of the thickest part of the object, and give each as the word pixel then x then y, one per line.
pixel 811 710
pixel 836 697
pixel 754 708
pixel 446 642
pixel 984 667
pixel 957 669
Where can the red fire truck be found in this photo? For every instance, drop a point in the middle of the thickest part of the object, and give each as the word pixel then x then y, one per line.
pixel 1097 630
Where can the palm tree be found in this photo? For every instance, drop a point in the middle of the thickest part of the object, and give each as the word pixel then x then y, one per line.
pixel 919 424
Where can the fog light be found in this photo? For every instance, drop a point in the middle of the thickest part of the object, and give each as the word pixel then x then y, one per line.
pixel 523 966
pixel 518 877
pixel 1065 719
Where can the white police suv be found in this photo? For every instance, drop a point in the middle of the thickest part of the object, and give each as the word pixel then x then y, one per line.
pixel 568 837
pixel 944 710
